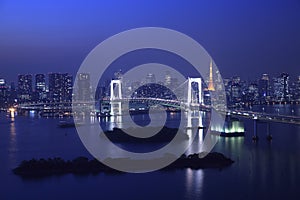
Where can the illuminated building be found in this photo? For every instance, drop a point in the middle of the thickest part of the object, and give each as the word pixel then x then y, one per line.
pixel 150 78
pixel 3 94
pixel 84 87
pixel 24 87
pixel 60 87
pixel 281 87
pixel 264 87
pixel 40 87
pixel 211 86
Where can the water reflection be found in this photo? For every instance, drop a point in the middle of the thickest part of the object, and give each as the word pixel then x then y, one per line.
pixel 12 141
pixel 194 182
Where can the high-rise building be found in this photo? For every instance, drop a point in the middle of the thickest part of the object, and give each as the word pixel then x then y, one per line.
pixel 281 87
pixel 236 80
pixel 252 94
pixel 295 89
pixel 3 93
pixel 84 87
pixel 55 86
pixel 60 87
pixel 24 88
pixel 40 87
pixel 264 87
pixel 168 79
pixel 150 78
pixel 67 88
pixel 236 93
pixel 12 94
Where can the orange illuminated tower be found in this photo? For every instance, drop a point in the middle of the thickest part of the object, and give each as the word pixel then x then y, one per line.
pixel 211 83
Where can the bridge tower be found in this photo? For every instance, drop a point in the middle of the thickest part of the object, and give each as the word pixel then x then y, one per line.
pixel 115 106
pixel 190 89
pixel 118 84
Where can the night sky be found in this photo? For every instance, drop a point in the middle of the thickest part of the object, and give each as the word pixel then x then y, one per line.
pixel 245 38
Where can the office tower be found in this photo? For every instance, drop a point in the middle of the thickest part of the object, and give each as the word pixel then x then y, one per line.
pixel 297 89
pixel 40 87
pixel 84 87
pixel 67 87
pixel 252 94
pixel 24 88
pixel 3 93
pixel 55 87
pixel 60 87
pixel 168 79
pixel 12 94
pixel 236 80
pixel 150 78
pixel 264 87
pixel 281 87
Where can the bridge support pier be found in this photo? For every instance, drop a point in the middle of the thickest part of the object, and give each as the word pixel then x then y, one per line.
pixel 255 130
pixel 255 136
pixel 269 136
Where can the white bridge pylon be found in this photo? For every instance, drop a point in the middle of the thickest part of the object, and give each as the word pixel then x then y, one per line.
pixel 116 94
pixel 118 84
pixel 115 107
pixel 190 90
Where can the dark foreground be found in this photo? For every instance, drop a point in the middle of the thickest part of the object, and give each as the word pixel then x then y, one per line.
pixel 82 165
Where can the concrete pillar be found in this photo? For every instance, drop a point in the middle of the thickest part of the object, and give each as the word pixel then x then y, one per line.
pixel 255 136
pixel 269 136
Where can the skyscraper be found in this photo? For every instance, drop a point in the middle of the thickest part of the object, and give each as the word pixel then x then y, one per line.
pixel 67 87
pixel 150 78
pixel 281 87
pixel 264 87
pixel 168 79
pixel 60 87
pixel 297 95
pixel 40 87
pixel 12 94
pixel 83 84
pixel 55 86
pixel 24 88
pixel 3 94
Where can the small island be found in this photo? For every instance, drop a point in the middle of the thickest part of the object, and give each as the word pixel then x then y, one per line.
pixel 56 166
pixel 166 134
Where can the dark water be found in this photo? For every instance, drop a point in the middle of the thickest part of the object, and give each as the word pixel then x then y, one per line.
pixel 263 170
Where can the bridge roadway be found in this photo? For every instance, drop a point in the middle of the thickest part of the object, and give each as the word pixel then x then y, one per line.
pixel 264 117
pixel 153 101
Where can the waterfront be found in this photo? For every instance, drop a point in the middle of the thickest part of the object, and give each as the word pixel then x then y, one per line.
pixel 261 170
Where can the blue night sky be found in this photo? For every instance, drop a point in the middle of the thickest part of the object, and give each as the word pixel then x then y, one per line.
pixel 245 38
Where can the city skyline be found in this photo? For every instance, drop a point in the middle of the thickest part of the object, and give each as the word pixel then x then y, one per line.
pixel 58 87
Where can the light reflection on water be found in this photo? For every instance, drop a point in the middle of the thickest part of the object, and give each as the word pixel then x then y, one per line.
pixel 13 141
pixel 261 169
pixel 194 182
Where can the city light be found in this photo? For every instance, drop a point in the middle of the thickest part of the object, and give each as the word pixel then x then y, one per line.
pixel 12 112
